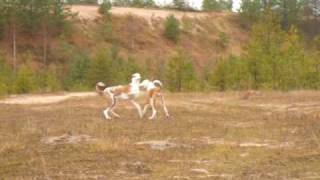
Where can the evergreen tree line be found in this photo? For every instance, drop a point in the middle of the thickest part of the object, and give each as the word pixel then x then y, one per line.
pixel 82 72
pixel 208 5
pixel 33 17
pixel 275 58
pixel 291 12
pixel 36 18
pixel 217 5
pixel 124 3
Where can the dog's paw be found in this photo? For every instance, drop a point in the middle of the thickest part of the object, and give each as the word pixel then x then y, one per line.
pixel 105 116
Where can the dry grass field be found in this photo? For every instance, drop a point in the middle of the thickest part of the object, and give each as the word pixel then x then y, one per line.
pixel 270 135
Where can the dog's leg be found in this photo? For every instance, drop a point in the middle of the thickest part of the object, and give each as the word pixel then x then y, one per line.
pixel 145 109
pixel 164 106
pixel 146 106
pixel 114 113
pixel 106 112
pixel 138 108
pixel 154 111
pixel 112 109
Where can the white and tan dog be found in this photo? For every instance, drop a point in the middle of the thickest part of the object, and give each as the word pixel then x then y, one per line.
pixel 153 89
pixel 121 92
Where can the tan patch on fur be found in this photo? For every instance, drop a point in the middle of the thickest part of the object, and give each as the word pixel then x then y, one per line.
pixel 121 89
pixel 154 92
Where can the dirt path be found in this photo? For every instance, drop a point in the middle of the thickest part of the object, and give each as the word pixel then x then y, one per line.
pixel 203 104
pixel 43 99
pixel 91 12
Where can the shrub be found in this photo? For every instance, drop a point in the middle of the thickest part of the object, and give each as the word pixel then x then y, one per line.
pixel 187 24
pixel 231 73
pixel 100 68
pixel 223 40
pixel 122 2
pixel 172 28
pixel 179 4
pixel 105 7
pixel 106 31
pixel 149 3
pixel 5 77
pixel 48 81
pixel 78 73
pixel 217 5
pixel 180 74
pixel 137 3
pixel 25 81
pixel 131 67
pixel 209 5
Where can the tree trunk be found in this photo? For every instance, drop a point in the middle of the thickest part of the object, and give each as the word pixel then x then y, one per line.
pixel 14 42
pixel 45 45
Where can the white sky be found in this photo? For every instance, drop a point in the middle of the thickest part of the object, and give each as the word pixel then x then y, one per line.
pixel 198 3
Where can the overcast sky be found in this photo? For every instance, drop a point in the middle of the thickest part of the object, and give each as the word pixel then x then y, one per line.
pixel 198 3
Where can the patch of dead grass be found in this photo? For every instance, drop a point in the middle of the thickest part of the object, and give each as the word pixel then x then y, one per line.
pixel 218 132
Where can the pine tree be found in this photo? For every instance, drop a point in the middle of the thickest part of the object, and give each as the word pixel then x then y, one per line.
pixel 219 77
pixel 100 68
pixel 180 74
pixel 2 18
pixel 127 68
pixel 11 12
pixel 313 77
pixel 294 66
pixel 5 77
pixel 121 2
pixel 172 28
pixel 51 81
pixel 78 73
pixel 209 5
pixel 180 4
pixel 251 10
pixel 137 3
pixel 217 5
pixel 226 5
pixel 105 7
pixel 291 12
pixel 263 51
pixel 25 81
pixel 149 3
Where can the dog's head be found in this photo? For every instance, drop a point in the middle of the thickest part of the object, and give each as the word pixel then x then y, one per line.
pixel 158 83
pixel 136 78
pixel 100 86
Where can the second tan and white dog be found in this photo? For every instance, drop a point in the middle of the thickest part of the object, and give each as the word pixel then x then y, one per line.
pixel 122 92
pixel 153 89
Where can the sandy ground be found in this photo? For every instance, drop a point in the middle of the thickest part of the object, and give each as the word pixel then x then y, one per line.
pixel 44 99
pixel 91 12
pixel 270 135
pixel 204 104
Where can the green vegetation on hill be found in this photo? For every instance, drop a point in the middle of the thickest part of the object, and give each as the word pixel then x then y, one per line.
pixel 41 52
pixel 217 5
pixel 277 56
pixel 172 28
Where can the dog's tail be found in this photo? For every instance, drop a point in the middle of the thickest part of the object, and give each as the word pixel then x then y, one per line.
pixel 100 87
pixel 158 83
